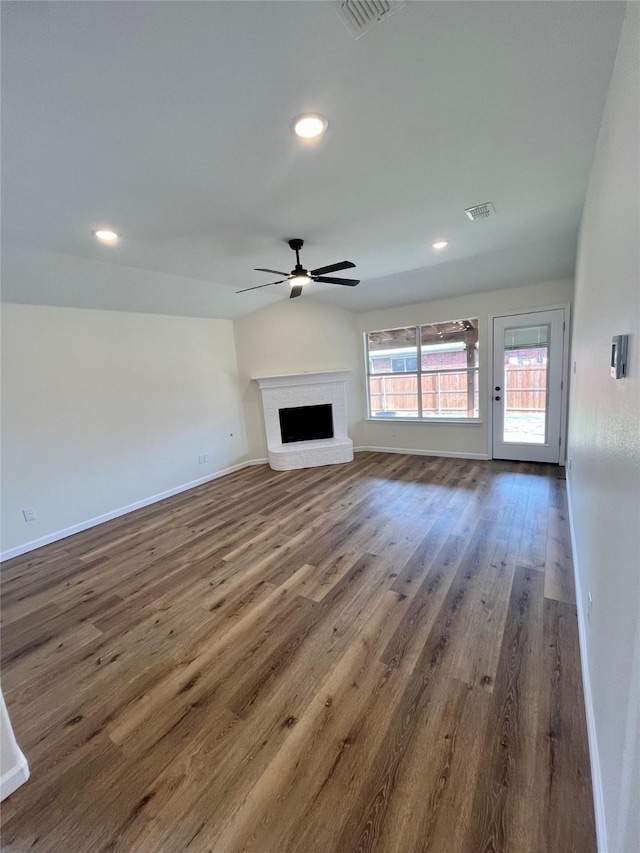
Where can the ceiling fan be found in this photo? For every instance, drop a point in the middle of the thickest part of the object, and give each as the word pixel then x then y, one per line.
pixel 299 276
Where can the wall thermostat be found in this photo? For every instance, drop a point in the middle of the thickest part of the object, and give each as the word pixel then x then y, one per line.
pixel 619 346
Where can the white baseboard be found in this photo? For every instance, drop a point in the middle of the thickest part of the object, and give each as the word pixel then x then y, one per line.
pixel 116 513
pixel 15 777
pixel 596 777
pixel 447 453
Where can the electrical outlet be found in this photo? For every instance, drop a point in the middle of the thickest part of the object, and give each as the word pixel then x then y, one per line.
pixel 203 457
pixel 589 607
pixel 29 514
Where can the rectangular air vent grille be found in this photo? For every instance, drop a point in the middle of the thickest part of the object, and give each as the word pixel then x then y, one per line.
pixel 360 16
pixel 481 211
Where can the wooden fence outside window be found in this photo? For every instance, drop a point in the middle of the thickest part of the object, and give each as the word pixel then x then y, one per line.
pixel 446 393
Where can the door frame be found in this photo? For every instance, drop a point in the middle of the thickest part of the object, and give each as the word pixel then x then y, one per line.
pixel 566 307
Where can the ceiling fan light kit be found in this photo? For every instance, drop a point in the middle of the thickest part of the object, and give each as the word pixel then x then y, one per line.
pixel 299 276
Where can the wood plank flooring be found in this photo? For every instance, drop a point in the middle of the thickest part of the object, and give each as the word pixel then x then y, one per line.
pixel 375 656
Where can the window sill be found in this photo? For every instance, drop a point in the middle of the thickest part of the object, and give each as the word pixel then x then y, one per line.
pixel 454 421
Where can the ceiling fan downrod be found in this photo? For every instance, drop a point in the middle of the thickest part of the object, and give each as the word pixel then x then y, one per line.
pixel 296 244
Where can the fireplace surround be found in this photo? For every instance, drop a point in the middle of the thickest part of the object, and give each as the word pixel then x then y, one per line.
pixel 298 390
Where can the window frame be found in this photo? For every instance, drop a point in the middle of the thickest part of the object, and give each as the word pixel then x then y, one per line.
pixel 418 374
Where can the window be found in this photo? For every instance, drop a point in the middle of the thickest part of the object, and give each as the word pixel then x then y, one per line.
pixel 424 372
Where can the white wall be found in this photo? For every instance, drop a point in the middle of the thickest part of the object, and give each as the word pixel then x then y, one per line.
pixel 296 336
pixel 604 445
pixel 471 438
pixel 103 409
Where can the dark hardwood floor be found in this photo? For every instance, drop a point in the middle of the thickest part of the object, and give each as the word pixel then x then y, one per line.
pixel 375 656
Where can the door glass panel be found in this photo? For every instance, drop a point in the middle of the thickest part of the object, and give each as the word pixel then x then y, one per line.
pixel 524 384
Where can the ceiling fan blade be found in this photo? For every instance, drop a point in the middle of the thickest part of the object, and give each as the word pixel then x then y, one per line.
pixel 351 282
pixel 275 272
pixel 296 290
pixel 341 265
pixel 261 285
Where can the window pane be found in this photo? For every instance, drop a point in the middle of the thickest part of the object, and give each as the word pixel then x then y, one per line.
pixel 446 356
pixel 449 345
pixel 451 394
pixel 389 351
pixel 393 396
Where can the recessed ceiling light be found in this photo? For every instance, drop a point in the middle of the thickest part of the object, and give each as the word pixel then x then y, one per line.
pixel 106 235
pixel 309 126
pixel 440 244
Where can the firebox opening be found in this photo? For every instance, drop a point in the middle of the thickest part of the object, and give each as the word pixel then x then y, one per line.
pixel 306 423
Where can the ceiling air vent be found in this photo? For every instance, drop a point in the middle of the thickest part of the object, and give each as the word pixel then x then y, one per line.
pixel 360 16
pixel 481 211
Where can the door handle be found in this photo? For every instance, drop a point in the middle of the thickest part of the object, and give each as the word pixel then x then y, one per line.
pixel 496 398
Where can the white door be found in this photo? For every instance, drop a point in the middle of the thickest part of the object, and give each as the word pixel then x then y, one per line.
pixel 528 358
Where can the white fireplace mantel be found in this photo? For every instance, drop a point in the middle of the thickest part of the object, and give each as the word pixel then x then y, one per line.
pixel 306 389
pixel 289 379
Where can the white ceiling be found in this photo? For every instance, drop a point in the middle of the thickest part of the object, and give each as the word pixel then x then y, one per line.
pixel 170 121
